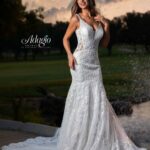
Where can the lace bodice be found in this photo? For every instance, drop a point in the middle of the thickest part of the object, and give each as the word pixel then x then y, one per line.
pixel 87 37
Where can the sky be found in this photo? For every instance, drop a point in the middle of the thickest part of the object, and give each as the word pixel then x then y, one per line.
pixel 60 9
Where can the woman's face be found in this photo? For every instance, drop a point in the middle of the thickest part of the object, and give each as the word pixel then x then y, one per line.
pixel 82 3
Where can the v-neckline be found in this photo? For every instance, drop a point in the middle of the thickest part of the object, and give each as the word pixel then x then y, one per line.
pixel 94 30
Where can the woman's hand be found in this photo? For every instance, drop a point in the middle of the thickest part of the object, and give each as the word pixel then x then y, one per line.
pixel 105 24
pixel 71 61
pixel 103 20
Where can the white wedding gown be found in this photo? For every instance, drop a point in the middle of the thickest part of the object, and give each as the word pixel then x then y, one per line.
pixel 89 121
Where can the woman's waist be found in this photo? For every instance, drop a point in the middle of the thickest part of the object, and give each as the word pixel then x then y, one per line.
pixel 87 48
pixel 86 51
pixel 88 60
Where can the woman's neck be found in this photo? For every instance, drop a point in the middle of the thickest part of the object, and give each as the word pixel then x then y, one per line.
pixel 86 12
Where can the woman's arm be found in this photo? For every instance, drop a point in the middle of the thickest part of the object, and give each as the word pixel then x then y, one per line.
pixel 106 37
pixel 73 24
pixel 105 24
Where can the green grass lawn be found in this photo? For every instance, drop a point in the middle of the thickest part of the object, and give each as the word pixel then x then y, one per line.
pixel 22 78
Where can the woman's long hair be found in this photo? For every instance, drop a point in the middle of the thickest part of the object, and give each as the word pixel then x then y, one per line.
pixel 91 5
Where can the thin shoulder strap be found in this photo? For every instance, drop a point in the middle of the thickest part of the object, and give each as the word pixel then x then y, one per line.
pixel 78 16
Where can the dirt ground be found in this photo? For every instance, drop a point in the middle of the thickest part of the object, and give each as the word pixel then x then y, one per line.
pixel 9 136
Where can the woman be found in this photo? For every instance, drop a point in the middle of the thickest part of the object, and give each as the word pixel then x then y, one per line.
pixel 89 121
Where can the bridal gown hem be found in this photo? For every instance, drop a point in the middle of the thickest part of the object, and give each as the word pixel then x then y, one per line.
pixel 89 121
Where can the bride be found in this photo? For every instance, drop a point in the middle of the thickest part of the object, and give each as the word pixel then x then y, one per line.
pixel 89 121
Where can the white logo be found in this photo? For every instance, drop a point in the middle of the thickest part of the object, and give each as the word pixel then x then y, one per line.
pixel 34 42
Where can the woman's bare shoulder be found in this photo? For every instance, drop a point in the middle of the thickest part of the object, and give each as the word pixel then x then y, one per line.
pixel 74 18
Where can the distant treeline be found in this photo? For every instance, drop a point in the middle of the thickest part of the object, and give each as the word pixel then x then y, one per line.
pixel 17 25
pixel 132 28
